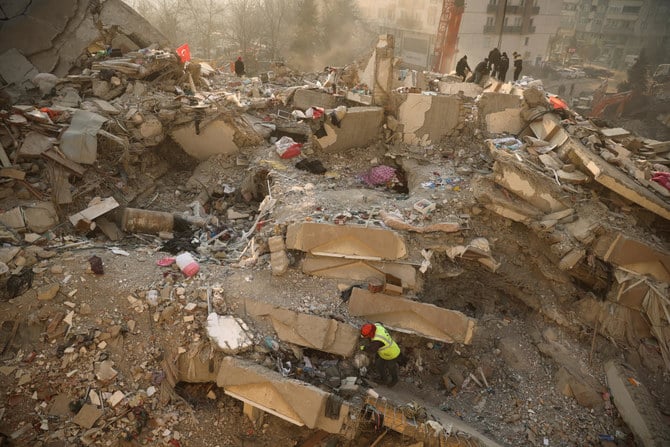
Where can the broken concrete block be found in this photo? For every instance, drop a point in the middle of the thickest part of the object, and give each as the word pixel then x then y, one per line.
pixel 359 127
pixel 87 416
pixel 40 217
pixel 617 181
pixel 100 88
pixel 528 185
pixel 215 138
pixel 276 243
pixel 279 262
pixel 358 269
pixel 290 399
pixel 16 69
pixel 507 121
pixel 228 333
pixel 304 98
pixel 79 142
pixel 572 386
pixel 345 241
pixel 324 334
pixel 151 128
pixel 48 292
pixel 34 144
pixel 614 132
pixel 105 372
pixel 634 255
pixel 116 398
pixel 13 219
pixel 637 407
pixel 469 89
pixel 426 119
pixel 105 107
pixel 535 97
pixel 97 209
pixel 45 82
pixel 491 102
pixel 414 317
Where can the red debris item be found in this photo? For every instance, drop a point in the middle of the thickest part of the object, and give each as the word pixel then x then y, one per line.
pixel 184 53
pixel 52 113
pixel 287 148
pixel 662 178
pixel 173 442
pixel 378 175
pixel 96 265
pixel 557 103
pixel 166 262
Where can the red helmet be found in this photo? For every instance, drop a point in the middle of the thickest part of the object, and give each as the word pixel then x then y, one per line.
pixel 368 330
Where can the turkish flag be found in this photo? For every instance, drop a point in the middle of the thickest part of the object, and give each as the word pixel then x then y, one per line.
pixel 184 53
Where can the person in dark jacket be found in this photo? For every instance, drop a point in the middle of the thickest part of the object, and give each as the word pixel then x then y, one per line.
pixel 518 65
pixel 494 61
pixel 239 67
pixel 481 70
pixel 504 66
pixel 461 66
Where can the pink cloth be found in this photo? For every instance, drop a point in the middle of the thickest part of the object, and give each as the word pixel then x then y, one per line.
pixel 378 175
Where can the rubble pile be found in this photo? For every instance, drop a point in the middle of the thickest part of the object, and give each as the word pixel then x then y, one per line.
pixel 167 224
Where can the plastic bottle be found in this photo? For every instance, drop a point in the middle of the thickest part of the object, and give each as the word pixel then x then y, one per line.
pixel 187 264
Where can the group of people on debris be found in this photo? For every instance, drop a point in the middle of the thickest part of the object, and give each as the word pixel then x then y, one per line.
pixel 496 65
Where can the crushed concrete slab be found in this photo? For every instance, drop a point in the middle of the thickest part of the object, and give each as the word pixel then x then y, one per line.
pixel 345 241
pixel 469 89
pixel 404 315
pixel 87 416
pixel 614 132
pixel 358 269
pixel 636 407
pixel 214 138
pixel 359 127
pixel 634 255
pixel 290 399
pixel 571 386
pixel 549 129
pixel 304 98
pixel 615 180
pixel 324 334
pixel 40 216
pixel 491 102
pixel 34 144
pixel 426 119
pixel 507 121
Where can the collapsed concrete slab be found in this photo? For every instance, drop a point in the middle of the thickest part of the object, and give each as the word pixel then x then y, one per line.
pixel 404 315
pixel 358 269
pixel 469 89
pixel 636 407
pixel 426 119
pixel 634 255
pixel 311 331
pixel 214 138
pixel 612 178
pixel 16 69
pixel 53 38
pixel 292 400
pixel 359 127
pixel 506 121
pixel 345 241
pixel 491 102
pixel 304 98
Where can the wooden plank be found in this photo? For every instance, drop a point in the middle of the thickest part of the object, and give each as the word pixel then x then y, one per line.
pixel 4 159
pixel 97 210
pixel 16 174
pixel 70 165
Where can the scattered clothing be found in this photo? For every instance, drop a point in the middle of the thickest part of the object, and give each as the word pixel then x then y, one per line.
pixel 378 175
pixel 312 165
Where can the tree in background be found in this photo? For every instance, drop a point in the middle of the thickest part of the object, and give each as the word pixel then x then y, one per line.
pixel 307 36
pixel 275 33
pixel 342 28
pixel 244 27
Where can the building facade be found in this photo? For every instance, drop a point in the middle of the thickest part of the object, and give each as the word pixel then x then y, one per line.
pixel 524 26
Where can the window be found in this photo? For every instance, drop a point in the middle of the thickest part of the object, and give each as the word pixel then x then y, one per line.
pixel 525 42
pixel 630 9
pixel 506 20
pixel 489 21
pixel 493 2
pixel 517 21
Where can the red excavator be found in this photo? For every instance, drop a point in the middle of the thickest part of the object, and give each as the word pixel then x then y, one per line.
pixel 447 34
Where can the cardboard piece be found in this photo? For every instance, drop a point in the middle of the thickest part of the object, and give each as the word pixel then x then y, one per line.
pixel 404 315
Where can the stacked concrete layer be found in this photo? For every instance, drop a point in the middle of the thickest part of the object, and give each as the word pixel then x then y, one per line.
pixel 636 407
pixel 426 119
pixel 414 317
pixel 58 36
pixel 358 269
pixel 289 399
pixel 304 98
pixel 345 241
pixel 311 331
pixel 359 127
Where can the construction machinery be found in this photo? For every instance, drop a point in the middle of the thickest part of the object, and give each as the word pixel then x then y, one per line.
pixel 602 101
pixel 447 34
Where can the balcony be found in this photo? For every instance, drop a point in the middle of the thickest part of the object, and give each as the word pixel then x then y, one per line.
pixel 492 9
pixel 535 10
pixel 495 29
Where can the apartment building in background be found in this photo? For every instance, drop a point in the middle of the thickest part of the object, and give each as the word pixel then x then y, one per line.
pixel 525 26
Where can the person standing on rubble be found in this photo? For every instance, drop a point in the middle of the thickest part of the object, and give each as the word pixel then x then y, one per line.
pixel 481 70
pixel 504 66
pixel 461 66
pixel 387 350
pixel 518 65
pixel 239 67
pixel 494 61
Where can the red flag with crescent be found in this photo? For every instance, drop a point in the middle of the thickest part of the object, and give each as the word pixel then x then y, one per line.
pixel 184 53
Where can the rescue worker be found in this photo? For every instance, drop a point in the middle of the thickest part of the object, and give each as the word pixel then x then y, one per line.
pixel 239 67
pixel 518 65
pixel 461 66
pixel 388 351
pixel 494 61
pixel 504 66
pixel 481 70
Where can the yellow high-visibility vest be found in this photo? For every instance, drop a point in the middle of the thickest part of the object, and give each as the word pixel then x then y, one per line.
pixel 390 350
